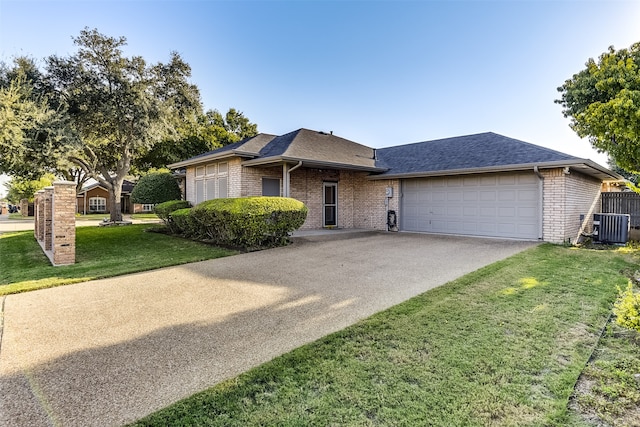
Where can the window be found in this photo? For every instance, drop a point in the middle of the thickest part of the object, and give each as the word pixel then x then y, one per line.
pixel 97 204
pixel 212 181
pixel 199 191
pixel 270 187
pixel 148 207
pixel 222 188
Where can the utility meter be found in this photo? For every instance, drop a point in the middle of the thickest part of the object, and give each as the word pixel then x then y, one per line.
pixel 389 192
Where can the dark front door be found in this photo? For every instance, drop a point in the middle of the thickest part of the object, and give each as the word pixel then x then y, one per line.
pixel 330 204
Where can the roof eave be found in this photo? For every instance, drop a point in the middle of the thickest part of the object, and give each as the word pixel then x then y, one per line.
pixel 589 167
pixel 278 160
pixel 212 157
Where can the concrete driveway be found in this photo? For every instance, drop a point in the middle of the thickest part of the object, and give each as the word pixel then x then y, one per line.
pixel 108 352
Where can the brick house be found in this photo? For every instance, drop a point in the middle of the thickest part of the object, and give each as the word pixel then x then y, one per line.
pixel 93 198
pixel 478 185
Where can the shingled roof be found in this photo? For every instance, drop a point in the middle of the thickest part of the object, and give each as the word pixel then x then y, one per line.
pixel 317 149
pixel 483 152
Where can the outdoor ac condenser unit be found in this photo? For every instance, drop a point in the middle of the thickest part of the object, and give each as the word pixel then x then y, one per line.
pixel 611 228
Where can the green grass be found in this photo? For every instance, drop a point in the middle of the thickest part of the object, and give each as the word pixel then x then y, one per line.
pixel 144 216
pixel 501 346
pixel 608 389
pixel 18 215
pixel 100 252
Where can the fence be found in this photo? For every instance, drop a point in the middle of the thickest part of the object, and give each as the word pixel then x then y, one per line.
pixel 623 203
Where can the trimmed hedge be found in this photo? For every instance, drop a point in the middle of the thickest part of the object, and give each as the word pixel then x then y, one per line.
pixel 247 222
pixel 181 223
pixel 164 211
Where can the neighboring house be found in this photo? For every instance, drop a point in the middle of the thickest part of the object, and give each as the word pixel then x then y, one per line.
pixel 93 198
pixel 477 185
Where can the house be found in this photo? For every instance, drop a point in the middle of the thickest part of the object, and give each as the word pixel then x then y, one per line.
pixel 93 199
pixel 477 185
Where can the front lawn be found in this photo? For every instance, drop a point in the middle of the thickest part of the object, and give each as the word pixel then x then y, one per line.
pixel 501 346
pixel 100 252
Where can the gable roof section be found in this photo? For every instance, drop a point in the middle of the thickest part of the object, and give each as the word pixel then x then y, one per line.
pixel 484 152
pixel 317 149
pixel 247 148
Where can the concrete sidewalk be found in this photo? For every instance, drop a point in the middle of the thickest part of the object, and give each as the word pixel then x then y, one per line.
pixel 10 225
pixel 107 352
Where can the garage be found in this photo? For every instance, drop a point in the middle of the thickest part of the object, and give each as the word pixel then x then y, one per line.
pixel 506 205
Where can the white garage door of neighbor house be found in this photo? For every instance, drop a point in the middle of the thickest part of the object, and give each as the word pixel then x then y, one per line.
pixel 495 205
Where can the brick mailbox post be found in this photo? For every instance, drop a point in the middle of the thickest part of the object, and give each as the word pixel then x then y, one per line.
pixel 55 222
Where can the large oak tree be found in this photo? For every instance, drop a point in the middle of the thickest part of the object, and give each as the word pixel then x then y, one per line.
pixel 119 106
pixel 100 114
pixel 603 103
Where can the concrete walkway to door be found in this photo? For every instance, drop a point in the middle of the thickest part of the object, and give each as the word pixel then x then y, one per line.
pixel 107 352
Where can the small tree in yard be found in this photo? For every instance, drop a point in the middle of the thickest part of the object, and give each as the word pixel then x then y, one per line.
pixel 157 187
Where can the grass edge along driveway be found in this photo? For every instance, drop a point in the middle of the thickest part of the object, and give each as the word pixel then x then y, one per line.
pixel 100 252
pixel 501 346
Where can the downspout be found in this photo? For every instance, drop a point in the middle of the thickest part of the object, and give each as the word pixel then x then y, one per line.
pixel 540 202
pixel 287 179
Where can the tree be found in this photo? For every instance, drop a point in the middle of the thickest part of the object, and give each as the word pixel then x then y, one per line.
pixel 22 188
pixel 603 103
pixel 119 106
pixel 35 133
pixel 210 131
pixel 156 187
pixel 32 134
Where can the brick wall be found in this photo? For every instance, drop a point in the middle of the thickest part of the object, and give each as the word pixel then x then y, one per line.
pixel 583 198
pixel 371 211
pixel 190 191
pixel 566 197
pixel 252 179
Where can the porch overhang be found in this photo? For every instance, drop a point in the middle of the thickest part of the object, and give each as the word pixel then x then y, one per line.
pixel 310 163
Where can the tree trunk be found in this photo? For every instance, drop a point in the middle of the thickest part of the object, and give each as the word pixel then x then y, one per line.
pixel 115 193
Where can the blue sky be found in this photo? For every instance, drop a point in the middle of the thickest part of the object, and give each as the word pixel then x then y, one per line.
pixel 380 73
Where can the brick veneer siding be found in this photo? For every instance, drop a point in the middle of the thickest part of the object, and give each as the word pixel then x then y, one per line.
pixel 252 179
pixel 361 202
pixel 566 197
pixel 371 210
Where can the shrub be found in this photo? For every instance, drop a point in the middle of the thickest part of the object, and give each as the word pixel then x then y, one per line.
pixel 248 222
pixel 157 187
pixel 627 308
pixel 164 211
pixel 181 222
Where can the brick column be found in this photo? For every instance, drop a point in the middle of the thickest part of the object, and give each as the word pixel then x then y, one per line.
pixel 64 223
pixel 48 218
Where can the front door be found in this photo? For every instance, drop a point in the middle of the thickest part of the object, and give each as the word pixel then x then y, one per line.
pixel 330 204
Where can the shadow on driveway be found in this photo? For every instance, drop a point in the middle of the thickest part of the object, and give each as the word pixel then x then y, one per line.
pixel 110 351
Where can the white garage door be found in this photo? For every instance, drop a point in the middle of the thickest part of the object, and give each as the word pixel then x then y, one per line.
pixel 497 205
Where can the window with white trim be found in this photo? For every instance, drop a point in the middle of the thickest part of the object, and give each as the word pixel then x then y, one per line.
pixel 212 181
pixel 97 204
pixel 148 207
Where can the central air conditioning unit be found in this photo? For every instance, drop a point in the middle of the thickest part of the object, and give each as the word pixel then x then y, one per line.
pixel 611 228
